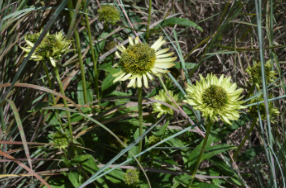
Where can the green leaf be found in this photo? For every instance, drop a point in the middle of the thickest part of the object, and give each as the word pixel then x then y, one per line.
pixel 250 153
pixel 187 64
pixel 204 185
pixel 59 182
pixel 80 97
pixel 118 94
pixel 74 178
pixel 181 179
pixel 195 153
pixel 162 129
pixel 216 149
pixel 107 82
pixel 80 159
pixel 116 176
pixel 180 21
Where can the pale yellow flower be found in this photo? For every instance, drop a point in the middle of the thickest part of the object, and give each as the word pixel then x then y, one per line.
pixel 139 62
pixel 162 109
pixel 215 98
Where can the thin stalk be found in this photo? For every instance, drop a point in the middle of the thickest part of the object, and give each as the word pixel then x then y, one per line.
pixel 65 102
pixel 245 138
pixel 140 120
pixel 94 58
pixel 149 19
pixel 163 85
pixel 201 153
pixel 77 41
pixel 53 97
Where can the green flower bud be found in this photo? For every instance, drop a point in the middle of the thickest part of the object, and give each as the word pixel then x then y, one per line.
pixel 108 14
pixel 255 75
pixel 60 140
pixel 132 177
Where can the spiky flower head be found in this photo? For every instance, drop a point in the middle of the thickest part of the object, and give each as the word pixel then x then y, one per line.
pixel 254 73
pixel 51 48
pixel 109 14
pixel 253 110
pixel 140 61
pixel 132 177
pixel 162 109
pixel 215 98
pixel 60 140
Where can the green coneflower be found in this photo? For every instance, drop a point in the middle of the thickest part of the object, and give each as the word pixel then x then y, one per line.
pixel 109 14
pixel 132 177
pixel 215 97
pixel 139 61
pixel 51 48
pixel 162 109
pixel 253 110
pixel 254 73
pixel 60 140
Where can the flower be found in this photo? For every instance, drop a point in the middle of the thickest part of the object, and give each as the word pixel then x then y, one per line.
pixel 255 73
pixel 139 61
pixel 253 110
pixel 52 47
pixel 132 177
pixel 108 14
pixel 162 109
pixel 60 140
pixel 215 97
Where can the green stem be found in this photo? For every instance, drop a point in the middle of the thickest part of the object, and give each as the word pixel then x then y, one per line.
pixel 77 41
pixel 149 19
pixel 65 102
pixel 245 138
pixel 53 97
pixel 166 90
pixel 94 58
pixel 140 119
pixel 201 153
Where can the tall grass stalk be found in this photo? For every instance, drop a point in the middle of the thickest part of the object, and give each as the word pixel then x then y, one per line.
pixel 52 95
pixel 64 100
pixel 149 19
pixel 78 47
pixel 93 57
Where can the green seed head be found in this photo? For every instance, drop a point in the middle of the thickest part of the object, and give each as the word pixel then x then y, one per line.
pixel 132 177
pixel 109 14
pixel 60 140
pixel 255 73
pixel 215 97
pixel 138 59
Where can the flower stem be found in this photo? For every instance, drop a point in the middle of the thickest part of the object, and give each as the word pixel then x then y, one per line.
pixel 140 119
pixel 65 102
pixel 149 19
pixel 94 58
pixel 53 97
pixel 77 41
pixel 201 153
pixel 245 138
pixel 163 84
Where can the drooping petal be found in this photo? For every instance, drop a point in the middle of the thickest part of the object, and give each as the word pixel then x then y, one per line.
pixel 145 81
pixel 130 41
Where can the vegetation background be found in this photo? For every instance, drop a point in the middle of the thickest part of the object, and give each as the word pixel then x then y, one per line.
pixel 207 36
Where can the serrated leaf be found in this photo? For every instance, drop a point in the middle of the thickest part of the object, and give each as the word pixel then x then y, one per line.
pixel 204 185
pixel 180 21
